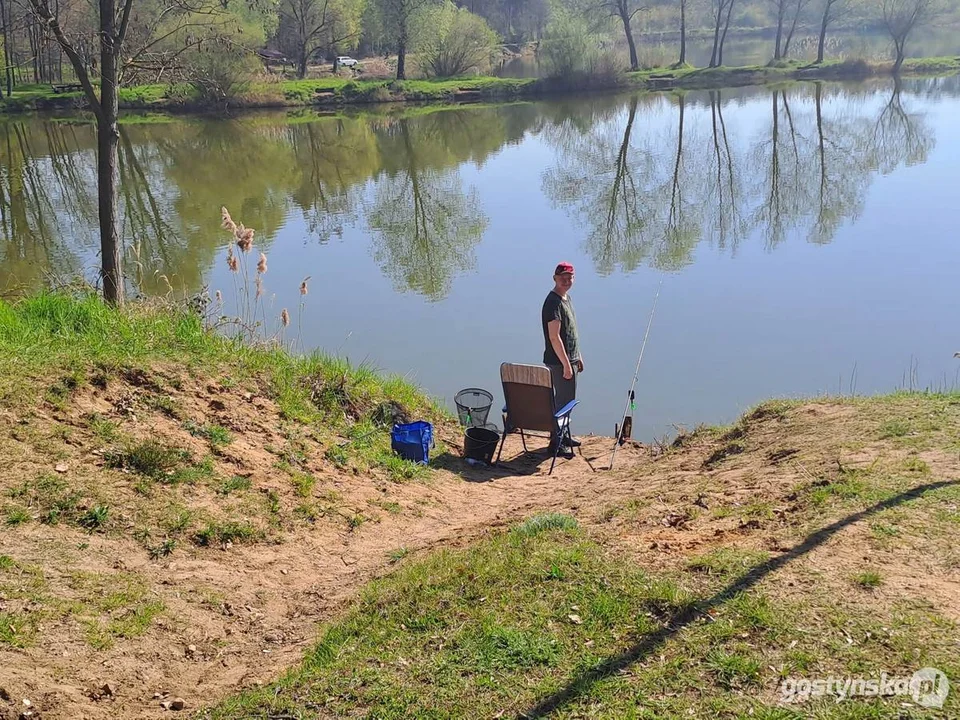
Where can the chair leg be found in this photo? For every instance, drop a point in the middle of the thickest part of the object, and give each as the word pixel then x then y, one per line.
pixel 556 451
pixel 500 449
pixel 523 439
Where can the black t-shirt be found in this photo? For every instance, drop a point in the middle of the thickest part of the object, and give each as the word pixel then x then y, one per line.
pixel 558 308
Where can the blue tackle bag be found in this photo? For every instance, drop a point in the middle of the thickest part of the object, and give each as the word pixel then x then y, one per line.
pixel 412 441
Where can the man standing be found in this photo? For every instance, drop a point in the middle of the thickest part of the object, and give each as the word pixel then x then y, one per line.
pixel 561 351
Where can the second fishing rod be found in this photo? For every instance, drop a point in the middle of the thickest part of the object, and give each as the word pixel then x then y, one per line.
pixel 624 428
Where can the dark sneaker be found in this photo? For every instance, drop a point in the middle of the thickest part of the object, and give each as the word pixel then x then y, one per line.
pixel 571 443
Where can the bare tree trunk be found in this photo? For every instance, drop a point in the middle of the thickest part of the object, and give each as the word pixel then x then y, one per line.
pixel 793 29
pixel 34 53
pixel 625 18
pixel 716 37
pixel 823 30
pixel 683 32
pixel 402 58
pixel 108 137
pixel 301 62
pixel 6 44
pixel 899 44
pixel 776 46
pixel 723 38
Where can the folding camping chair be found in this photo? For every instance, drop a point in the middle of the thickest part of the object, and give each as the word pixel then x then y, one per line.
pixel 529 404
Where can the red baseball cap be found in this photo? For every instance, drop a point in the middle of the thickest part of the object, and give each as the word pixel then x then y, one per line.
pixel 563 268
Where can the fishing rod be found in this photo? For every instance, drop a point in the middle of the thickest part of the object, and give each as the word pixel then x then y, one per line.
pixel 625 427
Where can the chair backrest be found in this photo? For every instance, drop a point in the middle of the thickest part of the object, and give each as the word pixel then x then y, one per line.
pixel 528 395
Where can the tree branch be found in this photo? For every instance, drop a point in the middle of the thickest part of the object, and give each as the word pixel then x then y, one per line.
pixel 43 11
pixel 124 22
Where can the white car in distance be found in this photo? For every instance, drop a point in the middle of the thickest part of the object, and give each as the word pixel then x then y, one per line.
pixel 346 61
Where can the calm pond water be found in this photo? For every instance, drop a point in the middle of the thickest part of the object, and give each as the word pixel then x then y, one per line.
pixel 806 238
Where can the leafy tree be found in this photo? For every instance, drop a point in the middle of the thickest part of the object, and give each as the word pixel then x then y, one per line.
pixel 147 39
pixel 397 18
pixel 567 45
pixel 454 40
pixel 307 26
pixel 625 11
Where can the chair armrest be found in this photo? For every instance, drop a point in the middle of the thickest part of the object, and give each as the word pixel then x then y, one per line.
pixel 566 409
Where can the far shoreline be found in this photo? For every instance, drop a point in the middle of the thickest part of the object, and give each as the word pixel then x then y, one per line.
pixel 336 93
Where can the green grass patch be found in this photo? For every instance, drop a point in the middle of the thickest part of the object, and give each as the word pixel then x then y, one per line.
pixel 233 484
pixel 112 607
pixel 17 516
pixel 544 523
pixel 106 430
pixel 50 497
pixel 150 458
pixel 541 614
pixel 894 429
pixel 215 434
pixel 727 562
pixel 95 518
pixel 227 531
pixel 868 579
pixel 50 335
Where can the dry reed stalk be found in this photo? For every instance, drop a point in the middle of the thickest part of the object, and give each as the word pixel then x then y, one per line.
pixel 303 292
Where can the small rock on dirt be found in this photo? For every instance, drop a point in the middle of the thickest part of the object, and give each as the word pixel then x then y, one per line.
pixel 61 467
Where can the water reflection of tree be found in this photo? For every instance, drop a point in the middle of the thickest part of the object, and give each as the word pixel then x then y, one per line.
pixel 643 197
pixel 425 225
pixel 41 186
pixel 631 198
pixel 335 157
pixel 724 194
pixel 647 177
pixel 843 161
pixel 899 135
pixel 783 182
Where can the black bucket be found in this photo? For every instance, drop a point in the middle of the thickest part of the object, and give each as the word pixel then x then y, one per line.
pixel 473 406
pixel 480 443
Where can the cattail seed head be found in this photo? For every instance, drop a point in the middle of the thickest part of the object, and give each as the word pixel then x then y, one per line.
pixel 244 238
pixel 303 285
pixel 227 222
pixel 219 297
pixel 262 264
pixel 284 317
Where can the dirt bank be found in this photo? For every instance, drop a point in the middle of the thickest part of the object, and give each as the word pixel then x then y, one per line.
pixel 106 621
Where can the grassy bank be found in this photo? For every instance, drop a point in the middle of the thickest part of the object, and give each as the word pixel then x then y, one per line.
pixel 785 553
pixel 333 92
pixel 178 501
pixel 128 419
